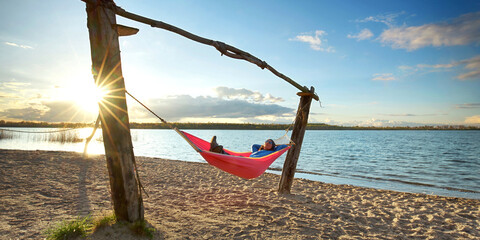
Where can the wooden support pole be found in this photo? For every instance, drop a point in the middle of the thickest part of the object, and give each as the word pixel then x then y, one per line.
pixel 298 133
pixel 107 72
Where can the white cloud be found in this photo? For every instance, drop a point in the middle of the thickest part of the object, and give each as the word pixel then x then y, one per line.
pixel 379 123
pixel 18 45
pixel 383 77
pixel 437 66
pixel 405 68
pixel 52 111
pixel 461 31
pixel 14 85
pixel 177 108
pixel 317 42
pixel 469 75
pixel 373 122
pixel 468 106
pixel 245 94
pixel 473 119
pixel 471 65
pixel 27 114
pixel 387 19
pixel 363 35
pixel 232 105
pixel 410 114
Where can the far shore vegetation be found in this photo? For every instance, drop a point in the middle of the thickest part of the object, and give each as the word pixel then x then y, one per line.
pixel 232 126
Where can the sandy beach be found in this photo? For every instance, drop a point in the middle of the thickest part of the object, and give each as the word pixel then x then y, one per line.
pixel 196 201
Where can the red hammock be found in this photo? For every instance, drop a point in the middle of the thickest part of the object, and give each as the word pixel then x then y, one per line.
pixel 237 163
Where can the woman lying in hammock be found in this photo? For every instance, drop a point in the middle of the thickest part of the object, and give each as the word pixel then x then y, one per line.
pixel 257 149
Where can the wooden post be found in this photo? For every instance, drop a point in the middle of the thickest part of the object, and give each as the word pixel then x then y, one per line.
pixel 298 133
pixel 107 72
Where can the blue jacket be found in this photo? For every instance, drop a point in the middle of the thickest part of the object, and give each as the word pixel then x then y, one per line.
pixel 257 154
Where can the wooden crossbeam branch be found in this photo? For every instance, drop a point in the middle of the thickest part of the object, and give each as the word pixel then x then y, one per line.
pixel 223 48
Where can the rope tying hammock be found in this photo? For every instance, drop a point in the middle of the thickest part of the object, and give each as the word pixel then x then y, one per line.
pixel 165 122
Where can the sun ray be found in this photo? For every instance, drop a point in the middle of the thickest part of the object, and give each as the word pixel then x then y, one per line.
pixel 111 83
pixel 114 115
pixel 118 90
pixel 106 78
pixel 115 106
pixel 107 130
pixel 74 115
pixel 115 97
pixel 66 111
pixel 100 71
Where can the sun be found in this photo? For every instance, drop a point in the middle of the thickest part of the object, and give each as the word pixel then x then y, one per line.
pixel 90 98
pixel 84 95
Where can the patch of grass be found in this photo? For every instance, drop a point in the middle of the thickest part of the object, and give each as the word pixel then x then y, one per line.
pixel 70 229
pixel 104 221
pixel 83 227
pixel 142 229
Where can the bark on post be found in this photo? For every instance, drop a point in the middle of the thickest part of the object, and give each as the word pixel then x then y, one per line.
pixel 298 133
pixel 107 72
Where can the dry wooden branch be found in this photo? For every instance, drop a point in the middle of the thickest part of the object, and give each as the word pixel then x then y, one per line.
pixel 223 48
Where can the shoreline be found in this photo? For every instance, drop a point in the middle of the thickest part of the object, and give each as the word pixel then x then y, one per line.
pixel 398 186
pixel 366 182
pixel 195 200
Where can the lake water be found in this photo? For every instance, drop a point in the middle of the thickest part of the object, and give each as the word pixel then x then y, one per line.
pixel 443 163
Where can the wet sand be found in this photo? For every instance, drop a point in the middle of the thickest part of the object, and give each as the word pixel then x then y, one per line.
pixel 187 200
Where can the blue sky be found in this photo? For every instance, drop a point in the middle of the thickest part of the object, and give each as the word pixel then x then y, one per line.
pixel 372 63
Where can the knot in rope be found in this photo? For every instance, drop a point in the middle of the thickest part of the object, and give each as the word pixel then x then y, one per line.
pixel 220 46
pixel 263 65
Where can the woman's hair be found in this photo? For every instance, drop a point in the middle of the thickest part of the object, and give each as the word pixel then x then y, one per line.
pixel 273 143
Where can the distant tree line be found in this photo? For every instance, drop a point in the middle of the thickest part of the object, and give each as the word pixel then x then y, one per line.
pixel 232 126
pixel 44 124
